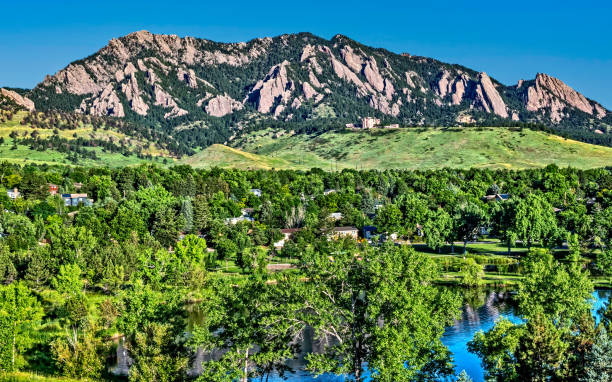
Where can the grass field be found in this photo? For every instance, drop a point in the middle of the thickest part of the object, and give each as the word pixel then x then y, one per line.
pixel 31 377
pixel 415 148
pixel 406 148
pixel 224 156
pixel 23 154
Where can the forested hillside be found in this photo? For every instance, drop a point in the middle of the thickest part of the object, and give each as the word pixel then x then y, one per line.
pixel 73 138
pixel 141 273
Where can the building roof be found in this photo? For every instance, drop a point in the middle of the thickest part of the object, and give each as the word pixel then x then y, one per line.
pixel 344 229
pixel 74 195
pixel 290 230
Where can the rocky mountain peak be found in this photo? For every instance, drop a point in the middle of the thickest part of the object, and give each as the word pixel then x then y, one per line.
pixel 488 96
pixel 550 93
pixel 296 78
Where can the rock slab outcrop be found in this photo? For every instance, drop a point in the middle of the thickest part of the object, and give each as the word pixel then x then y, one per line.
pixel 18 99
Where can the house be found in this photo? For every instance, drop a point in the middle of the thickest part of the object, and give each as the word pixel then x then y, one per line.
pixel 341 232
pixel 256 192
pixel 13 194
pixel 419 230
pixel 389 236
pixel 287 235
pixel 246 216
pixel 368 231
pixel 392 126
pixel 53 188
pixel 496 197
pixel 77 185
pixel 335 216
pixel 329 191
pixel 76 199
pixel 236 220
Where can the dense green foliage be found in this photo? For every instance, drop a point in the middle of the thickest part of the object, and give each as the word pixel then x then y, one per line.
pixel 172 263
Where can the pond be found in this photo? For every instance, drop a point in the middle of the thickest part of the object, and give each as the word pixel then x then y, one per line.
pixel 481 310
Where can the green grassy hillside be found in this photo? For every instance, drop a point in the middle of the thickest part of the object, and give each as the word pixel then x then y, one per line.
pixel 408 148
pixel 414 148
pixel 224 156
pixel 13 128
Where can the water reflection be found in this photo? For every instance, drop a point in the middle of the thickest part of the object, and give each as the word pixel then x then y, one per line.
pixel 480 313
pixel 481 308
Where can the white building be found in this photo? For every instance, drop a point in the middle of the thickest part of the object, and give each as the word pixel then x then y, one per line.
pixel 335 216
pixel 369 122
pixel 13 194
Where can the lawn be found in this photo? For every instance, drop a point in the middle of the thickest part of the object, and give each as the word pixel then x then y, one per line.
pixel 32 377
pixel 23 154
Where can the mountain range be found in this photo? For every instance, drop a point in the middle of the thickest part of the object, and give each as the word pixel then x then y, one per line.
pixel 200 92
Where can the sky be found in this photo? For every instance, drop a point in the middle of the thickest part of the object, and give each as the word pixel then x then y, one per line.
pixel 510 40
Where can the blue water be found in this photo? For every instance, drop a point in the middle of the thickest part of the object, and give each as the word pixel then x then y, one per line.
pixel 483 318
pixel 479 314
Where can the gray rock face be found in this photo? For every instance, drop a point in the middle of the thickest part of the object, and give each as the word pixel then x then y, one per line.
pixel 18 99
pixel 163 99
pixel 189 77
pixel 276 85
pixel 222 105
pixel 105 103
pixel 132 93
pixel 373 76
pixel 76 80
pixel 488 97
pixel 308 91
pixel 453 86
pixel 553 94
pixel 141 70
pixel 352 60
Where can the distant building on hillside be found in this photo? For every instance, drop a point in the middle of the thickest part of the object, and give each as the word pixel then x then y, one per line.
pixel 256 192
pixel 53 189
pixel 287 235
pixel 246 216
pixel 496 197
pixel 369 122
pixel 13 194
pixel 76 199
pixel 368 231
pixel 341 232
pixel 335 216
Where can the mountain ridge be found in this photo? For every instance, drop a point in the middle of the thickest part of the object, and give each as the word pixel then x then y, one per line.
pixel 173 81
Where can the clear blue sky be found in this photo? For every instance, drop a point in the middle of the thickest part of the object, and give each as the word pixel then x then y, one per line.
pixel 509 40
